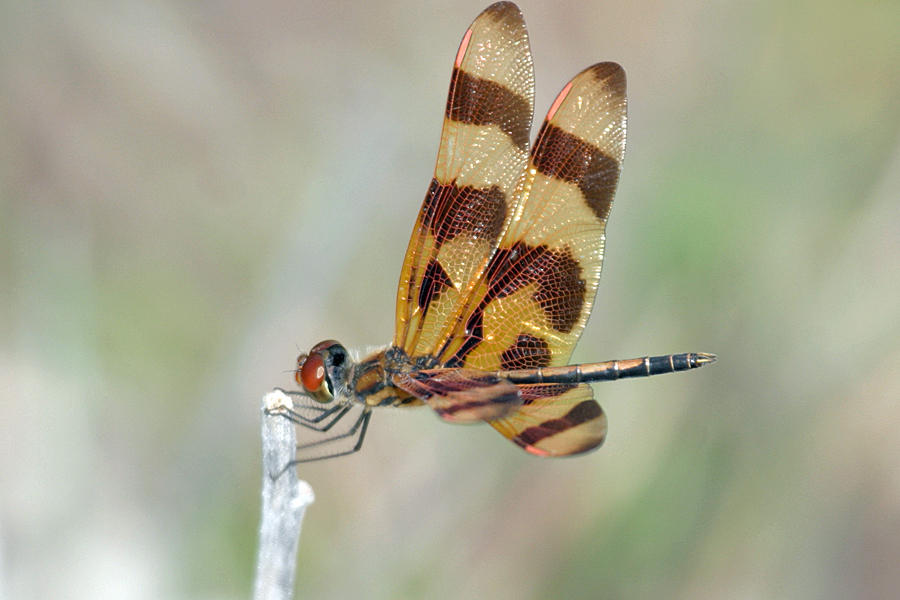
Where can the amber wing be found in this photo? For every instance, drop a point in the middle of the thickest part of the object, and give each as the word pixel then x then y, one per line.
pixel 555 420
pixel 480 166
pixel 503 265
pixel 546 271
pixel 462 395
pixel 536 293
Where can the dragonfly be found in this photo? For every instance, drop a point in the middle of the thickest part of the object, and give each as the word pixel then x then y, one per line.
pixel 502 267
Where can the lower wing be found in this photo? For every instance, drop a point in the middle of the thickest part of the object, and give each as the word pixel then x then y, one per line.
pixel 555 420
pixel 462 395
pixel 546 419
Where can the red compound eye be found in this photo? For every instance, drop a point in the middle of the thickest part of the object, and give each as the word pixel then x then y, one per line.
pixel 300 361
pixel 312 373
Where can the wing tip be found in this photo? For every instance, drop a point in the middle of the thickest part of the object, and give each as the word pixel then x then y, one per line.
pixel 588 446
pixel 505 13
pixel 502 10
pixel 555 439
pixel 610 73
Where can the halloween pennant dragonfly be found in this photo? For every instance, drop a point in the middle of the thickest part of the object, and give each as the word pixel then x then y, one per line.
pixel 502 266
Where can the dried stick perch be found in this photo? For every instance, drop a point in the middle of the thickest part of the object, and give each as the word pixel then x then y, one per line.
pixel 284 502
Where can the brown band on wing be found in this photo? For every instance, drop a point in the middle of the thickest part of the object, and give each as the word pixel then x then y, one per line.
pixel 556 273
pixel 461 395
pixel 580 413
pixel 434 282
pixel 451 210
pixel 612 75
pixel 506 397
pixel 527 352
pixel 474 336
pixel 483 102
pixel 502 10
pixel 530 393
pixel 431 385
pixel 570 158
pixel 560 289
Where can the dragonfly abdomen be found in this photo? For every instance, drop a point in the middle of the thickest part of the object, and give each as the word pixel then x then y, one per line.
pixel 612 369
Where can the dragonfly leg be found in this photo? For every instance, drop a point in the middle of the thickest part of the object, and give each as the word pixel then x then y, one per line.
pixel 311 422
pixel 314 423
pixel 358 429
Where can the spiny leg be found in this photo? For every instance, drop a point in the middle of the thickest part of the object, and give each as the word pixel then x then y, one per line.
pixel 361 425
pixel 315 406
pixel 363 417
pixel 298 419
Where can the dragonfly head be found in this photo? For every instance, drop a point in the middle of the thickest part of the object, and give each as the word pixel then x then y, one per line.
pixel 322 373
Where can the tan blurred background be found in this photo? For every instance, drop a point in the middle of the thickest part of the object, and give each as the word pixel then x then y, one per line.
pixel 190 192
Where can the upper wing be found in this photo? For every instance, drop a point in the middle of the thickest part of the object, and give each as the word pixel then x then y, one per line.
pixel 481 163
pixel 534 297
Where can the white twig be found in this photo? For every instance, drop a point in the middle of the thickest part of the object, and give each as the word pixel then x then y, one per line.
pixel 284 501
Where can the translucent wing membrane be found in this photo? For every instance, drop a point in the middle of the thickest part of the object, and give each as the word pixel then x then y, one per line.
pixel 533 299
pixel 461 395
pixel 541 283
pixel 503 264
pixel 481 163
pixel 505 258
pixel 555 420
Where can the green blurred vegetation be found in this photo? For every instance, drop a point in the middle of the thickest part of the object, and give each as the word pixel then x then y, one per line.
pixel 191 192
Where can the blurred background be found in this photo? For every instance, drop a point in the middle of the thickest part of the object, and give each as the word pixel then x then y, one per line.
pixel 190 193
